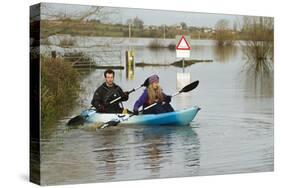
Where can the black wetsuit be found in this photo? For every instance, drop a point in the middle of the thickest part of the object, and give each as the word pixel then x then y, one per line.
pixel 104 95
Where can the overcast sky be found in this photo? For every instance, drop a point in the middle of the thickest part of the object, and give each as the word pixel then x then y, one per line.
pixel 150 17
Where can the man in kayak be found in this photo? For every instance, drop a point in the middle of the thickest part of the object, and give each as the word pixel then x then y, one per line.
pixel 153 93
pixel 108 92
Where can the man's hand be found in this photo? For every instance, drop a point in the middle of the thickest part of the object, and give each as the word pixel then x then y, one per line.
pixel 126 96
pixel 100 108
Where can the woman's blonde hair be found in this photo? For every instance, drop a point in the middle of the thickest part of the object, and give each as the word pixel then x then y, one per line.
pixel 154 94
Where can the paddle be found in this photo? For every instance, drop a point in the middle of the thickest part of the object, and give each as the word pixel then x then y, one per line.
pixel 146 83
pixel 186 89
pixel 79 119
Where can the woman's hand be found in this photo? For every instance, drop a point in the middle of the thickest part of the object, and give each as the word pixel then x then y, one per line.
pixel 168 98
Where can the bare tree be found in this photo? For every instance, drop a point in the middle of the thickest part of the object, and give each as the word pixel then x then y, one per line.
pixel 258 46
pixel 223 33
pixel 67 19
pixel 183 25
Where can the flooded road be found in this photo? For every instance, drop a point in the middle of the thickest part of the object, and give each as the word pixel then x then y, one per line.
pixel 232 133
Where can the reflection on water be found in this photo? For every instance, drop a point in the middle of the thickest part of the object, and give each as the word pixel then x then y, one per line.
pixel 261 83
pixel 232 133
pixel 176 146
pixel 224 53
pixel 130 71
pixel 120 153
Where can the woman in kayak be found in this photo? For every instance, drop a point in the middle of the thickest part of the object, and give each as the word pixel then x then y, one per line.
pixel 153 94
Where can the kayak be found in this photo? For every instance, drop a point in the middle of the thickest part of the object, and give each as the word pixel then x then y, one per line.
pixel 181 117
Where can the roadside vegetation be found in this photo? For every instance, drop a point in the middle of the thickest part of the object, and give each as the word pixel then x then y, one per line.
pixel 156 43
pixel 224 34
pixel 59 88
pixel 67 42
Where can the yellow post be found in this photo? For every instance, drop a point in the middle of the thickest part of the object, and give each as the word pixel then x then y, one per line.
pixel 130 63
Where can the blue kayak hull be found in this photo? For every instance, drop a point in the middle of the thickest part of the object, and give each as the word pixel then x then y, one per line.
pixel 181 117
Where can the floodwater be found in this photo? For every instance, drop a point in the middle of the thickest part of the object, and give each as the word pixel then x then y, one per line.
pixel 232 133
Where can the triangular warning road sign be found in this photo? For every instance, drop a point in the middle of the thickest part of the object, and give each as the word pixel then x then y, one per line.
pixel 183 44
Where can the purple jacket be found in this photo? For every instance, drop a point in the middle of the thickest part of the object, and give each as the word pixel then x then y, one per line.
pixel 142 100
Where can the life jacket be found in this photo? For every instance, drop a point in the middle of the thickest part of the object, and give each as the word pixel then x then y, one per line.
pixel 111 94
pixel 108 95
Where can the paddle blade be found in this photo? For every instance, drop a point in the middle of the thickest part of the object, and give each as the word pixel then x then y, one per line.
pixel 109 124
pixel 146 82
pixel 77 120
pixel 190 87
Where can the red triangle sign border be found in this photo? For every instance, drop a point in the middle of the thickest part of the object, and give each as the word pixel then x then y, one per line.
pixel 183 38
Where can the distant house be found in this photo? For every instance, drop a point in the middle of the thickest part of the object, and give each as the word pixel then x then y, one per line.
pixel 152 27
pixel 146 27
pixel 177 26
pixel 207 30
